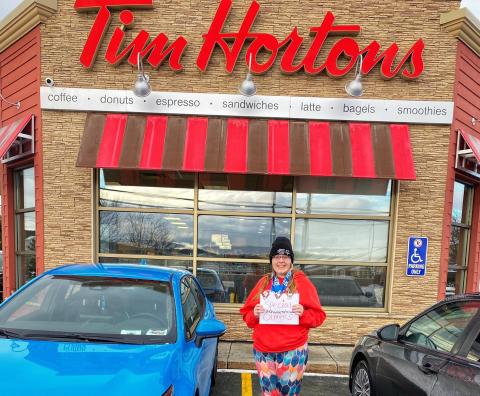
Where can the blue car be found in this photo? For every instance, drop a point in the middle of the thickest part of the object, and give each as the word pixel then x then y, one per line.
pixel 109 329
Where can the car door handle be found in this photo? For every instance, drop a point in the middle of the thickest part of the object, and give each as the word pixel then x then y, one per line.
pixel 428 368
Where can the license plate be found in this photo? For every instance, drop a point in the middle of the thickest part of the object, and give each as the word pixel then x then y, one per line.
pixel 73 347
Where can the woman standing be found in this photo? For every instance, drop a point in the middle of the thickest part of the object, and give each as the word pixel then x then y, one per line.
pixel 280 350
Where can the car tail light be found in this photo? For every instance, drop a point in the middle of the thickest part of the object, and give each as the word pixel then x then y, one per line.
pixel 169 391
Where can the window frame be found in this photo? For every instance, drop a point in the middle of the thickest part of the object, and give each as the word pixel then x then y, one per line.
pixel 463 269
pixel 18 212
pixel 196 212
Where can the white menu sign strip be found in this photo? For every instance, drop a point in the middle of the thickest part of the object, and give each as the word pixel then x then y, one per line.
pixel 278 309
pixel 286 107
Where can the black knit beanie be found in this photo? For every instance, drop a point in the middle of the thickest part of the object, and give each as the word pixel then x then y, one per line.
pixel 281 245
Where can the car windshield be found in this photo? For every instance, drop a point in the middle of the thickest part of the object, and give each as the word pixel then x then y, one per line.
pixel 93 308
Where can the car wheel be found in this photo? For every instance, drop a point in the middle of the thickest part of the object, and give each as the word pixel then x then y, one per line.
pixel 362 382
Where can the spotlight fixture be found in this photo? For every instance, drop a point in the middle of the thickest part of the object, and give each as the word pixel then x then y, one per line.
pixel 17 104
pixel 354 87
pixel 474 120
pixel 142 87
pixel 247 87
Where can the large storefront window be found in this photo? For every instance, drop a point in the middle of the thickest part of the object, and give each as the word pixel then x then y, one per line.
pixel 25 261
pixel 221 227
pixel 459 238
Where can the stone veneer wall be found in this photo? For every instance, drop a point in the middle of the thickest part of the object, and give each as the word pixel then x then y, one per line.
pixel 69 210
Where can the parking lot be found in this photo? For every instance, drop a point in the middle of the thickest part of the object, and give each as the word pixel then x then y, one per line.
pixel 245 383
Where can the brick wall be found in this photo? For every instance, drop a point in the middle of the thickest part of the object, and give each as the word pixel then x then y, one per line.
pixel 69 212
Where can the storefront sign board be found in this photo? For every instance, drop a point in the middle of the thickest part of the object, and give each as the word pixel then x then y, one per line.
pixel 417 256
pixel 286 107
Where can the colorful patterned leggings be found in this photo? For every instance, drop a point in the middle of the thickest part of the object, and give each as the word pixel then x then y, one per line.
pixel 281 373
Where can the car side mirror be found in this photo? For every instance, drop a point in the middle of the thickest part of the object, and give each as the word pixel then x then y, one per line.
pixel 209 328
pixel 389 332
pixel 368 294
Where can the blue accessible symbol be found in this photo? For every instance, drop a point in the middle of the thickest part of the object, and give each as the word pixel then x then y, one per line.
pixel 417 256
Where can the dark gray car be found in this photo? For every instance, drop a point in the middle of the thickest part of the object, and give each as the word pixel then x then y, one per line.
pixel 342 291
pixel 435 353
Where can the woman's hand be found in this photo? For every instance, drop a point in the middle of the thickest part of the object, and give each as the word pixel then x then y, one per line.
pixel 257 310
pixel 298 309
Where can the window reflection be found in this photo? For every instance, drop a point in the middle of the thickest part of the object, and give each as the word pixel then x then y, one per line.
pixel 358 235
pixel 230 282
pixel 339 239
pixel 26 268
pixel 232 236
pixel 245 193
pixel 461 201
pixel 128 189
pixel 146 233
pixel 25 226
pixel 345 196
pixel 348 286
pixel 459 238
pixel 26 232
pixel 25 198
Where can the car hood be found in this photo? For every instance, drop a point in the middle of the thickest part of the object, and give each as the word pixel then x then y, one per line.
pixel 79 368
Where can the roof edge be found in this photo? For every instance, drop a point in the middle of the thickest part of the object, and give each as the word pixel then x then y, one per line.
pixel 462 24
pixel 24 18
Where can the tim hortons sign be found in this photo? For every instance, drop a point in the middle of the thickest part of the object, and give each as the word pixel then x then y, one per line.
pixel 263 48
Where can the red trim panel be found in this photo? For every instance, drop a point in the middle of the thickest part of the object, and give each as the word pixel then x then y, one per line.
pixel 320 151
pixel 195 142
pixel 362 151
pixel 402 152
pixel 153 143
pixel 236 146
pixel 112 140
pixel 278 148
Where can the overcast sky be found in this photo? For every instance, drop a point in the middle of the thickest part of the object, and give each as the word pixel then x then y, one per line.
pixel 473 5
pixel 6 6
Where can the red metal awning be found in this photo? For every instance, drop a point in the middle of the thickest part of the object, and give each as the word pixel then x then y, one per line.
pixel 10 132
pixel 240 145
pixel 473 143
pixel 467 157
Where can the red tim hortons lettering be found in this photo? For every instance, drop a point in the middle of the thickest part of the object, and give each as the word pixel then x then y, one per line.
pixel 155 50
pixel 232 43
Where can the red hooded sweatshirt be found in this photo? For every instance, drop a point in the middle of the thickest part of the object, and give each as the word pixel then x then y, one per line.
pixel 282 338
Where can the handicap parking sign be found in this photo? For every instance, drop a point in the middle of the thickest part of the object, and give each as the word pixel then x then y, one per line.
pixel 417 256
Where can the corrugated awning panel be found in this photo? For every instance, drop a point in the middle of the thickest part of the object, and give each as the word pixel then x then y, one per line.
pixel 240 145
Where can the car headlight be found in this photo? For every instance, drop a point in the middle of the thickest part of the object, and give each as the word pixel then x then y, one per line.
pixel 169 391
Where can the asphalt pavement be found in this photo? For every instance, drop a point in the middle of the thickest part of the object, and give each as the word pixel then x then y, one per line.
pixel 245 383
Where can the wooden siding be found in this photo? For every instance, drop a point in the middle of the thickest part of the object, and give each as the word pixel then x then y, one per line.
pixel 467 105
pixel 20 81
